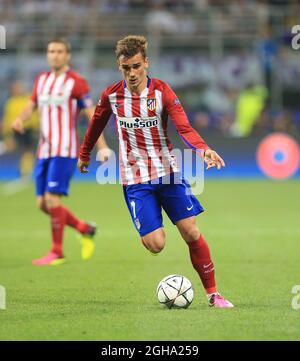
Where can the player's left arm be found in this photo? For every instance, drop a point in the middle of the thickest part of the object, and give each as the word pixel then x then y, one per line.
pixel 187 133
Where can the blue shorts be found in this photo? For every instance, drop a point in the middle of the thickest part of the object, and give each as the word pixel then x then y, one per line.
pixel 146 200
pixel 53 175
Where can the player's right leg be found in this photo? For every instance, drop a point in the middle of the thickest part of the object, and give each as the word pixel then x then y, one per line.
pixel 145 211
pixel 53 257
pixel 155 241
pixel 41 204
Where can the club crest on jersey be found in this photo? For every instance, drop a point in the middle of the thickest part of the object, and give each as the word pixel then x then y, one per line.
pixel 151 104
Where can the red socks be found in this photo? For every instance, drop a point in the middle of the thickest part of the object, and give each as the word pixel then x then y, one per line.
pixel 201 260
pixel 73 221
pixel 59 217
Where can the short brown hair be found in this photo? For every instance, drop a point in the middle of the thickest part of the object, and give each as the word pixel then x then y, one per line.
pixel 132 45
pixel 61 41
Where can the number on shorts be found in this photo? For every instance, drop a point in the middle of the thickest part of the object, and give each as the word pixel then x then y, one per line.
pixel 132 203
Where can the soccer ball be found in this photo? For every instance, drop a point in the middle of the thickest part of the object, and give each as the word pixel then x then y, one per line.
pixel 175 291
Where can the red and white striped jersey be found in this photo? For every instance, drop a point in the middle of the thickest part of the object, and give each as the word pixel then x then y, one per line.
pixel 59 100
pixel 141 120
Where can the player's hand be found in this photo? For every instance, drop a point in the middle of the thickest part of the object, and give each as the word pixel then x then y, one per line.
pixel 18 126
pixel 212 159
pixel 103 154
pixel 82 166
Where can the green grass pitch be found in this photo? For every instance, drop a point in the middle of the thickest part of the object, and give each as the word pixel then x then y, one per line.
pixel 253 231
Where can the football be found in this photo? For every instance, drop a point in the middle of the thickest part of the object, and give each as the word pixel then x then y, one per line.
pixel 175 291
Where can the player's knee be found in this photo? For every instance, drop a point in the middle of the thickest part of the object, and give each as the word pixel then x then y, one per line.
pixel 41 204
pixel 52 200
pixel 156 247
pixel 191 234
pixel 155 243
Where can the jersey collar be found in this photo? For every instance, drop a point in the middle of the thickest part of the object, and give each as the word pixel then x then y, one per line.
pixel 148 82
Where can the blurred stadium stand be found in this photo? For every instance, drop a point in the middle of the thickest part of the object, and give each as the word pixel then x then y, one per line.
pixel 210 51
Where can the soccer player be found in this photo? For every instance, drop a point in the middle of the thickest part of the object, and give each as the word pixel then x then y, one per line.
pixel 142 106
pixel 59 95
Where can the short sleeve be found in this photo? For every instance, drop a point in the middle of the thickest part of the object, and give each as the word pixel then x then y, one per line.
pixel 81 92
pixel 34 91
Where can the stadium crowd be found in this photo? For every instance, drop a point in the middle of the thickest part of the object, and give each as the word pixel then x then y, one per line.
pixel 246 27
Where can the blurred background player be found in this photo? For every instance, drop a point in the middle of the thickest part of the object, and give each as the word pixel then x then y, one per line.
pixel 151 178
pixel 26 141
pixel 59 95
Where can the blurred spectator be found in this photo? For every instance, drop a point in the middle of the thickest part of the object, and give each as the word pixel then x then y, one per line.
pixel 112 6
pixel 14 105
pixel 283 122
pixel 250 104
pixel 160 20
pixel 267 49
pixel 225 123
pixel 201 121
pixel 217 99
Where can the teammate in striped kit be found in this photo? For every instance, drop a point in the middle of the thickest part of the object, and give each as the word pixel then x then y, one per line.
pixel 151 179
pixel 59 95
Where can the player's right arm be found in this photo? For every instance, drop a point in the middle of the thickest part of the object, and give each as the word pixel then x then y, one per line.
pixel 18 124
pixel 99 120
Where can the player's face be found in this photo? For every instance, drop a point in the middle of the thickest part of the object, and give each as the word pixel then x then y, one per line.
pixel 57 56
pixel 134 71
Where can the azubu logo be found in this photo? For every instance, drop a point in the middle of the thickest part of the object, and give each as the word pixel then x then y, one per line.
pixel 2 37
pixel 296 38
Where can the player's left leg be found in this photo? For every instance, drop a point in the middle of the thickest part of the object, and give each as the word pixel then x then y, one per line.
pixel 182 207
pixel 201 260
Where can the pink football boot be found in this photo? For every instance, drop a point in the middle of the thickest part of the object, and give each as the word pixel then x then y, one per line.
pixel 218 301
pixel 51 259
